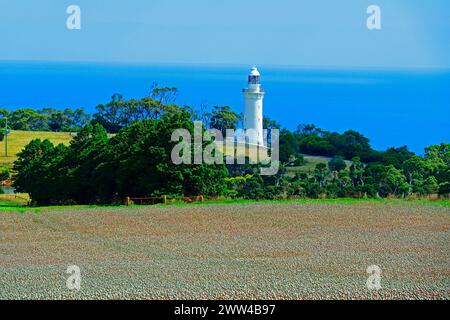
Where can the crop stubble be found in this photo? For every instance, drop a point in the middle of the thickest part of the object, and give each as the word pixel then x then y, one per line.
pixel 241 251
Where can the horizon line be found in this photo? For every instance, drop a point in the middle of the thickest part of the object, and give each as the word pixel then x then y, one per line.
pixel 232 65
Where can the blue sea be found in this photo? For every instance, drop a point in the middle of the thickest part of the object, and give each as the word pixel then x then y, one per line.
pixel 390 107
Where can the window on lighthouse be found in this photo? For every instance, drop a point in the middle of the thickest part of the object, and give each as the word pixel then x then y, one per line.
pixel 253 79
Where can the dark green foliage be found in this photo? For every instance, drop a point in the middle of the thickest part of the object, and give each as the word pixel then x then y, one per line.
pixel 444 188
pixel 87 151
pixel 349 144
pixel 337 164
pixel 396 156
pixel 418 175
pixel 317 142
pixel 46 119
pixel 316 145
pixel 356 172
pixel 289 149
pixel 96 169
pixel 136 161
pixel 247 186
pixel 223 118
pixel 4 174
pixel 141 156
pixel 40 173
pixel 119 113
pixel 270 124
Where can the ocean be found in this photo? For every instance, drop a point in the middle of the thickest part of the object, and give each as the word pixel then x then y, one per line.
pixel 390 107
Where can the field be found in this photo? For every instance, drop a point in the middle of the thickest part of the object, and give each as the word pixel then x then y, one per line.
pixel 291 250
pixel 17 140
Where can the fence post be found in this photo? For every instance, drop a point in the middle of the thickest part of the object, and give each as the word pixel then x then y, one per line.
pixel 127 201
pixel 164 199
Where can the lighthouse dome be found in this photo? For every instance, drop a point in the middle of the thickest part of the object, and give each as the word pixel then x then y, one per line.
pixel 254 76
pixel 254 71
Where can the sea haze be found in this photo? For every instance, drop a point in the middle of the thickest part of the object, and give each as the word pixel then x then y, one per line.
pixel 390 107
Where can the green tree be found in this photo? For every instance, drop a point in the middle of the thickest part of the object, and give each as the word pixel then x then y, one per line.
pixel 394 181
pixel 39 173
pixel 397 156
pixel 349 144
pixel 437 159
pixel 337 163
pixel 164 95
pixel 223 118
pixel 289 149
pixel 119 113
pixel 87 151
pixel 145 166
pixel 415 168
pixel 316 145
pixel 270 124
pixel 431 185
pixel 441 152
pixel 96 169
pixel 320 173
pixel 28 120
pixel 357 172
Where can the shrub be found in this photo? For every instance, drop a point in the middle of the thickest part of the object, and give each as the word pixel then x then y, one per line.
pixel 4 174
pixel 337 164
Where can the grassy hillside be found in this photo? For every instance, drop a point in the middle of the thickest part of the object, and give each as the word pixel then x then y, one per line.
pixel 17 140
pixel 310 164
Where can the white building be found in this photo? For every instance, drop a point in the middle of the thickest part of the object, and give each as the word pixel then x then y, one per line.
pixel 253 108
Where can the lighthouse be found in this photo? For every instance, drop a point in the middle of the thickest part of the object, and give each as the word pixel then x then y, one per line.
pixel 253 108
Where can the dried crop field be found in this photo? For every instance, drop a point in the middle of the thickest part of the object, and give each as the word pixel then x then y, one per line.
pixel 292 250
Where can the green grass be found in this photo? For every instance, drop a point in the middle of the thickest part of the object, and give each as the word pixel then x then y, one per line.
pixel 310 164
pixel 17 140
pixel 14 206
pixel 443 202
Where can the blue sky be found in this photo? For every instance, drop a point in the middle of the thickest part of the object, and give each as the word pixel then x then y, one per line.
pixel 415 33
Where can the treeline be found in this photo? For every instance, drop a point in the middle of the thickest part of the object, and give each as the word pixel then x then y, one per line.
pixel 308 139
pixel 46 119
pixel 113 116
pixel 98 169
pixel 417 177
pixel 135 161
pixel 119 113
pixel 368 173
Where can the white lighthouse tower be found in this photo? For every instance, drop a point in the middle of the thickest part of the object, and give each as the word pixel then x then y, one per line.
pixel 253 108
